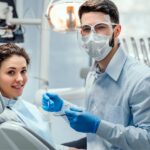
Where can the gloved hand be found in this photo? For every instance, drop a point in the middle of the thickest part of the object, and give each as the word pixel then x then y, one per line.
pixel 52 102
pixel 82 121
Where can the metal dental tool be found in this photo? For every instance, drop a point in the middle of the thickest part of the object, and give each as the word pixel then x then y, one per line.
pixel 59 114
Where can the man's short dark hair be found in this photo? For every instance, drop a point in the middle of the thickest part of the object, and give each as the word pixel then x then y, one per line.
pixel 104 6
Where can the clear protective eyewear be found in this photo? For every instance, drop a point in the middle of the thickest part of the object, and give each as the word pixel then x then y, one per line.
pixel 97 28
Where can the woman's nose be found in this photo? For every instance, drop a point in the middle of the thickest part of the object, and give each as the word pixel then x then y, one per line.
pixel 19 77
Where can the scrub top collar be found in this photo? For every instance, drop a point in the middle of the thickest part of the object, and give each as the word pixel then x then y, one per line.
pixel 116 64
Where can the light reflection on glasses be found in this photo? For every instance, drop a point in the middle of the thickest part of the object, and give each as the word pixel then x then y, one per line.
pixel 97 28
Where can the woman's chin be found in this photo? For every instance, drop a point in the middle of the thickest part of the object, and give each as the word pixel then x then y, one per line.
pixel 18 94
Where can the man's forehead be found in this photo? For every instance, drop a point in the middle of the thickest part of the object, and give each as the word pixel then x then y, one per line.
pixel 97 18
pixel 107 18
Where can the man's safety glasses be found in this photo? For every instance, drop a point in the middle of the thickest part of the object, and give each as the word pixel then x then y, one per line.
pixel 97 28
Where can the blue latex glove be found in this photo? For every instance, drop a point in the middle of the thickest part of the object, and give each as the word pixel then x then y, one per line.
pixel 52 102
pixel 82 121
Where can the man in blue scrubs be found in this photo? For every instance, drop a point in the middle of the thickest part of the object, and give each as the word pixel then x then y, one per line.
pixel 117 113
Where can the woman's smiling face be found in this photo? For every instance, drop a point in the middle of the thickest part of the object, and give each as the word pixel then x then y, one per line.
pixel 13 76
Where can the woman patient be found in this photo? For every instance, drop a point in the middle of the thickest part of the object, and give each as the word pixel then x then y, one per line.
pixel 14 63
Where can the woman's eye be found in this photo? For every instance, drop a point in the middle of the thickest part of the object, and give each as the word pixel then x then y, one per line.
pixel 23 71
pixel 11 72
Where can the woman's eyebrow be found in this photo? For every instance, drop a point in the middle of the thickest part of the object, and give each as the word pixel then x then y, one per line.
pixel 12 68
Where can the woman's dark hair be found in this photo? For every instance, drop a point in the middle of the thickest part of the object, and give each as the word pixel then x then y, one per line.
pixel 104 6
pixel 10 49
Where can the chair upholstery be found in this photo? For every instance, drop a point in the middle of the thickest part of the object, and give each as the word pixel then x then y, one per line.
pixel 15 136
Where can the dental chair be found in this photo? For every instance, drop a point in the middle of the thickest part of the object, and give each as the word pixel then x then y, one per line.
pixel 15 136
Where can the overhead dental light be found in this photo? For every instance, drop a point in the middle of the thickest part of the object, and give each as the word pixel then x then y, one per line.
pixel 63 14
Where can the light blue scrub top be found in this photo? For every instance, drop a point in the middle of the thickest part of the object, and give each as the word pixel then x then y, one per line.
pixel 120 97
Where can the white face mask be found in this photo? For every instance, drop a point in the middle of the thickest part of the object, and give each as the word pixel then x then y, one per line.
pixel 97 46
